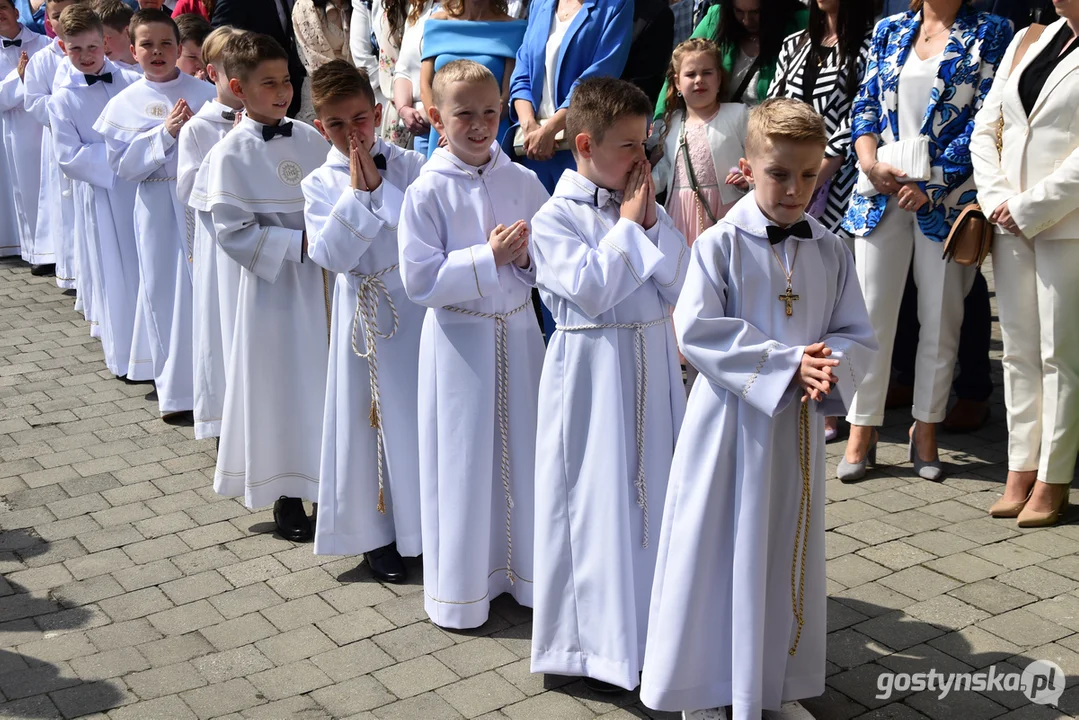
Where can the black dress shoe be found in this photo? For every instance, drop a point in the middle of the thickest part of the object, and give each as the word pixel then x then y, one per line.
pixel 601 687
pixel 291 519
pixel 386 564
pixel 152 395
pixel 43 270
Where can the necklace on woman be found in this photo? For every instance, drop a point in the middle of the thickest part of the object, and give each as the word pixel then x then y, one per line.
pixel 568 12
pixel 926 37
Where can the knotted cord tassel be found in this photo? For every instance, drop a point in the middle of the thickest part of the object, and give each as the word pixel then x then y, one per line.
pixel 374 416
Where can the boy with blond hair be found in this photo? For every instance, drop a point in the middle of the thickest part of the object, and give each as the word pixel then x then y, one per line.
pixel 772 316
pixel 609 264
pixel 215 277
pixel 369 479
pixel 104 205
pixel 464 255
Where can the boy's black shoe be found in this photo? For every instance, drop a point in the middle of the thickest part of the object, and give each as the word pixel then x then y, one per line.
pixel 601 687
pixel 43 270
pixel 291 519
pixel 386 564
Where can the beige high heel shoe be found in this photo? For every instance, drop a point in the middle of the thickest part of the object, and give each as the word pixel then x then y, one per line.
pixel 1030 518
pixel 1007 509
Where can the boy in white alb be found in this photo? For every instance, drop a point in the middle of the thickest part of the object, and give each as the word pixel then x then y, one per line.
pixel 464 254
pixel 215 277
pixel 140 127
pixel 20 156
pixel 609 264
pixel 772 316
pixel 275 380
pixel 369 480
pixel 54 234
pixel 116 16
pixel 104 204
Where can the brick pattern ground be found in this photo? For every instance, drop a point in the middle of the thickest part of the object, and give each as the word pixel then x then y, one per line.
pixel 131 591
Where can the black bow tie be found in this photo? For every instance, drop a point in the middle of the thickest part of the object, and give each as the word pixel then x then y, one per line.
pixel 380 161
pixel 228 115
pixel 16 43
pixel 777 234
pixel 103 77
pixel 269 132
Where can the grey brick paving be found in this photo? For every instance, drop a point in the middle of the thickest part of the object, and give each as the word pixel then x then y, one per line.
pixel 130 591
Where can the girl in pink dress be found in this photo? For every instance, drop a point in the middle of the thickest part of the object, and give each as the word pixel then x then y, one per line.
pixel 701 139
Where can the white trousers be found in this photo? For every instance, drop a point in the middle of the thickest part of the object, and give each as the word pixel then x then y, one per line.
pixel 883 259
pixel 1037 295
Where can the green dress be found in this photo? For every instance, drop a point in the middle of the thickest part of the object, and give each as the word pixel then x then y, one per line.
pixel 707 30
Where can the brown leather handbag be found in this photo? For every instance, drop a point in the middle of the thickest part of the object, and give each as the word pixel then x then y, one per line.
pixel 970 238
pixel 971 235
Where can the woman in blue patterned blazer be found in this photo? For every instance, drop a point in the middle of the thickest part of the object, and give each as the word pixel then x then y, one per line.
pixel 928 73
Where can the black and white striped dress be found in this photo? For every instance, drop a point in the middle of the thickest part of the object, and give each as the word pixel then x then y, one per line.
pixel 828 96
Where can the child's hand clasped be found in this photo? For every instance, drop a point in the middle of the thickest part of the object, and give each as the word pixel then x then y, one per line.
pixel 815 372
pixel 510 244
pixel 361 166
pixel 24 60
pixel 639 198
pixel 180 114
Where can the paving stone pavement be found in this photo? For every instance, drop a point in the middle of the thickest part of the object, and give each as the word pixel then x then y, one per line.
pixel 129 590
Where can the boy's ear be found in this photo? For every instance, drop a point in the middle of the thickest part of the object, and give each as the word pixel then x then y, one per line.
pixel 378 117
pixel 211 72
pixel 62 45
pixel 236 88
pixel 583 144
pixel 747 170
pixel 435 117
pixel 321 129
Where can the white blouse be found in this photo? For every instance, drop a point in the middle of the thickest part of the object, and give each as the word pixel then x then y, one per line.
pixel 547 106
pixel 916 82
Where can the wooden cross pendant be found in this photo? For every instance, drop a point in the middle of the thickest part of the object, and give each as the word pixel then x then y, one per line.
pixel 789 298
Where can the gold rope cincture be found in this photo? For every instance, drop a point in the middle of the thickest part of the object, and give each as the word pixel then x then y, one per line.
pixel 502 395
pixel 369 296
pixel 640 400
pixel 329 305
pixel 804 508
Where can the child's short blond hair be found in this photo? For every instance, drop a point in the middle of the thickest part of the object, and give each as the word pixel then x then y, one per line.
pixel 78 19
pixel 216 44
pixel 467 71
pixel 784 119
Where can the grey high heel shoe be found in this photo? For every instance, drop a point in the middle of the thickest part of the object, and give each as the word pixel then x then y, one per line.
pixel 852 472
pixel 931 470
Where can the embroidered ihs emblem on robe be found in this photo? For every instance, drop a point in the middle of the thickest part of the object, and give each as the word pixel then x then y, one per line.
pixel 157 109
pixel 290 172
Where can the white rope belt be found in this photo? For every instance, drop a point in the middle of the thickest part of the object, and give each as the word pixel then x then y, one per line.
pixel 160 179
pixel 502 401
pixel 640 353
pixel 369 295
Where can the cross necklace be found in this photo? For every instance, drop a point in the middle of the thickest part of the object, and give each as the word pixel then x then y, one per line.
pixel 788 297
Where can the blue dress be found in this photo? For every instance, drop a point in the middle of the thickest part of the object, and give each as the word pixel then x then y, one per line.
pixel 32 20
pixel 449 40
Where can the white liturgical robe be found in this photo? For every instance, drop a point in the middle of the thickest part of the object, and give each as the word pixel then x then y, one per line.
pixel 275 380
pixel 722 622
pixel 20 167
pixel 215 277
pixel 104 205
pixel 54 235
pixel 374 350
pixel 141 150
pixel 610 403
pixel 480 358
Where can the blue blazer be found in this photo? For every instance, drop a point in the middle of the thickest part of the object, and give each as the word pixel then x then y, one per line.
pixel 33 20
pixel 975 49
pixel 596 45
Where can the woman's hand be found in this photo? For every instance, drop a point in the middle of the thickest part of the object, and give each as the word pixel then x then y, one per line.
pixel 539 144
pixel 415 122
pixel 911 198
pixel 885 177
pixel 1002 216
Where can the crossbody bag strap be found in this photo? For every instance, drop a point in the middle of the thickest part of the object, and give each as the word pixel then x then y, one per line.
pixel 692 175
